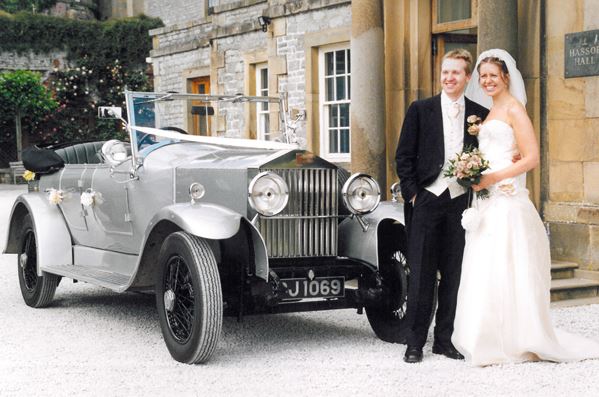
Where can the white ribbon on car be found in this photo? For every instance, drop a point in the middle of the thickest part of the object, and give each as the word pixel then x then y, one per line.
pixel 234 142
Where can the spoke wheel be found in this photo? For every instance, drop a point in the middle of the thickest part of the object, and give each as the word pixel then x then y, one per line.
pixel 189 298
pixel 28 261
pixel 388 319
pixel 179 299
pixel 37 291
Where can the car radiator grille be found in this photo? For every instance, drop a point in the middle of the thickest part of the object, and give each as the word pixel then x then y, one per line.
pixel 308 225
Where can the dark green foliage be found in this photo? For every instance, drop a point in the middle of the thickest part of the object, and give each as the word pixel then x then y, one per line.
pixel 124 39
pixel 24 99
pixel 22 91
pixel 13 6
pixel 105 57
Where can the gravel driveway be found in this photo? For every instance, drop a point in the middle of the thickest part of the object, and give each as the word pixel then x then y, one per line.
pixel 92 341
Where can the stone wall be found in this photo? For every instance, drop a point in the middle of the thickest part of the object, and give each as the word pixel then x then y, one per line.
pixel 176 11
pixel 224 44
pixel 572 208
pixel 74 9
pixel 43 63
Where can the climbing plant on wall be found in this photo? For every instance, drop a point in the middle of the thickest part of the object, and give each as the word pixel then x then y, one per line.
pixel 104 58
pixel 26 5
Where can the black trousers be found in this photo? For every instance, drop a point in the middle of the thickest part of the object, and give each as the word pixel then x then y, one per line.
pixel 435 243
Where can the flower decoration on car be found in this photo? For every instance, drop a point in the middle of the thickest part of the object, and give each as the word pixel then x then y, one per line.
pixel 88 198
pixel 28 175
pixel 474 123
pixel 55 196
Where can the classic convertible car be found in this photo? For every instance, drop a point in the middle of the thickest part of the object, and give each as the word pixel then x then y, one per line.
pixel 213 226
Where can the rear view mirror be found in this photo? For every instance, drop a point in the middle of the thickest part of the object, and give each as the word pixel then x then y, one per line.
pixel 110 112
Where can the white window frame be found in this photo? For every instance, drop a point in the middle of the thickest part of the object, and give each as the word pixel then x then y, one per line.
pixel 262 90
pixel 325 105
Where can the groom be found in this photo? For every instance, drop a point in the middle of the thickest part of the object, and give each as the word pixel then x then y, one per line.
pixel 434 130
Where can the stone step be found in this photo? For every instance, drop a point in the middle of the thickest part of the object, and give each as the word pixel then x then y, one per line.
pixel 573 288
pixel 576 302
pixel 588 274
pixel 561 270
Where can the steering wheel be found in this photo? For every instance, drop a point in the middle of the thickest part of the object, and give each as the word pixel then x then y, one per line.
pixel 176 129
pixel 148 139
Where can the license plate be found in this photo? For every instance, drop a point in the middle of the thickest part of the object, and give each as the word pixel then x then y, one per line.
pixel 319 287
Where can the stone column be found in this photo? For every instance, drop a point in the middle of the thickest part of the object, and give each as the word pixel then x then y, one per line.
pixel 368 90
pixel 498 25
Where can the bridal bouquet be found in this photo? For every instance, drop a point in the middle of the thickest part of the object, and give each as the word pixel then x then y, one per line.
pixel 467 167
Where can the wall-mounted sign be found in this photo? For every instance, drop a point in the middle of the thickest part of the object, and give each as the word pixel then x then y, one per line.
pixel 581 56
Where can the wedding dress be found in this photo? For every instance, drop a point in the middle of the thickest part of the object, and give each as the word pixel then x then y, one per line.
pixel 503 302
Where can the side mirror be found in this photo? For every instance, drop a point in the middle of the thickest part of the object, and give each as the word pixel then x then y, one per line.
pixel 110 112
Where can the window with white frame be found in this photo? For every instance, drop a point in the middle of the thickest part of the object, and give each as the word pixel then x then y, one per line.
pixel 335 84
pixel 263 125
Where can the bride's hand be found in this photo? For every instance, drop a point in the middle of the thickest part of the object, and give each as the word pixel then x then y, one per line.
pixel 485 181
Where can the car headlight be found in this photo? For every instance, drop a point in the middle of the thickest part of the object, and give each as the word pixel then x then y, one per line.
pixel 361 194
pixel 268 193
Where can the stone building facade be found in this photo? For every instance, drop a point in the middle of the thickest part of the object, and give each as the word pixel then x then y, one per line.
pixel 393 49
pixel 226 46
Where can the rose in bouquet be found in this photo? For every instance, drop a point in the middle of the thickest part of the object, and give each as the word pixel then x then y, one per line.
pixel 467 167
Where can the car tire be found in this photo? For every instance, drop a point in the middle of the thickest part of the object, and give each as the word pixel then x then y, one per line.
pixel 37 291
pixel 189 298
pixel 388 320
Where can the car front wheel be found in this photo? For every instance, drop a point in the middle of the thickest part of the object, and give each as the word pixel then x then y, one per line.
pixel 388 318
pixel 189 298
pixel 37 291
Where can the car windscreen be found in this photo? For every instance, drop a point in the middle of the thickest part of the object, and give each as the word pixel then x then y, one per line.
pixel 159 119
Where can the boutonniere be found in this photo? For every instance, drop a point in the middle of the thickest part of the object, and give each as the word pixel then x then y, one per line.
pixel 474 123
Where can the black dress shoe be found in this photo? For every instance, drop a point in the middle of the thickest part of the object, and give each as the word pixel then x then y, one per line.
pixel 448 351
pixel 413 355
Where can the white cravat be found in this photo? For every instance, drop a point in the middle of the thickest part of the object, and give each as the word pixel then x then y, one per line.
pixel 453 138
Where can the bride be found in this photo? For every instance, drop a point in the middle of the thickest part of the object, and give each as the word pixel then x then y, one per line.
pixel 503 301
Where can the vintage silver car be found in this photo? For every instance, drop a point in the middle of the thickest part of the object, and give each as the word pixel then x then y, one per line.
pixel 213 226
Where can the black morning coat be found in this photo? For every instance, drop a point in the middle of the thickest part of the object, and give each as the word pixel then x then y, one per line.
pixel 421 150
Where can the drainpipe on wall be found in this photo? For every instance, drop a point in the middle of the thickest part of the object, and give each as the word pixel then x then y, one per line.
pixel 544 144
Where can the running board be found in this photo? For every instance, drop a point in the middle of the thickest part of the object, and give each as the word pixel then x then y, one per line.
pixel 107 269
pixel 114 281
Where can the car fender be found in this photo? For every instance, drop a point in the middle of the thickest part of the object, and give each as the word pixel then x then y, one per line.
pixel 215 222
pixel 206 220
pixel 51 232
pixel 354 242
pixel 260 252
